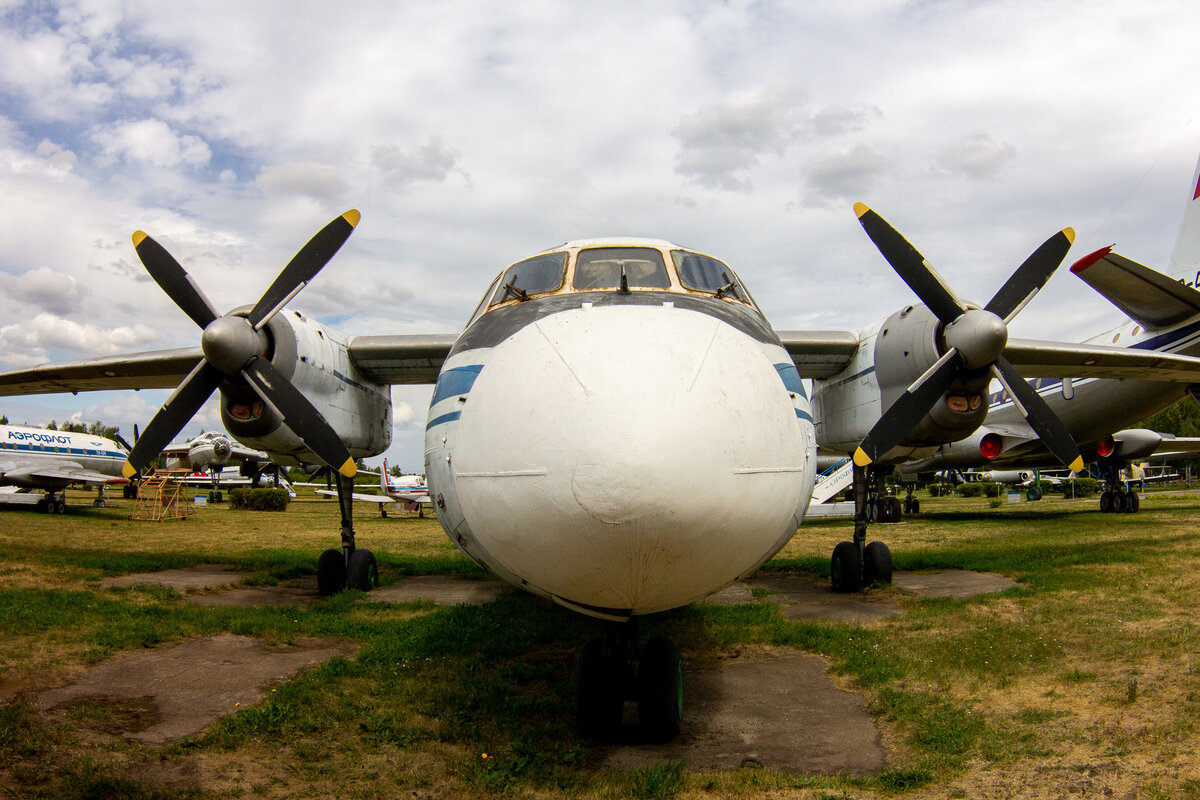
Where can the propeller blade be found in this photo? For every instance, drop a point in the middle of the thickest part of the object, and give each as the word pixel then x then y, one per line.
pixel 1045 423
pixel 173 279
pixel 908 410
pixel 299 415
pixel 303 267
pixel 1031 276
pixel 121 441
pixel 911 266
pixel 180 407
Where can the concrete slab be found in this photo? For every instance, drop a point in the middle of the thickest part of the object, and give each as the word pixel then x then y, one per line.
pixel 158 695
pixel 776 709
pixel 205 576
pixel 267 596
pixel 808 596
pixel 444 590
pixel 955 583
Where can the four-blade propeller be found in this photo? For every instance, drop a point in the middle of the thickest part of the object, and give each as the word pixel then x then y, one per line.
pixel 975 340
pixel 234 345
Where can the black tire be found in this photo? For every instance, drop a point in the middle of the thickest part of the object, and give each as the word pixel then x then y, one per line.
pixel 660 690
pixel 331 572
pixel 1106 502
pixel 1133 503
pixel 877 564
pixel 1119 502
pixel 845 568
pixel 599 700
pixel 362 572
pixel 916 506
pixel 897 514
pixel 1033 493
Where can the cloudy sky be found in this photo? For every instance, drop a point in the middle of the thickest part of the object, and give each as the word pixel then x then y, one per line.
pixel 471 134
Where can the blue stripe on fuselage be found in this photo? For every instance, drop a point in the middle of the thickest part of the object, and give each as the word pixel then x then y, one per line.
pixel 455 381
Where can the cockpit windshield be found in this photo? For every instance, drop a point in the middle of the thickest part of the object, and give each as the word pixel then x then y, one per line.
pixel 535 275
pixel 603 268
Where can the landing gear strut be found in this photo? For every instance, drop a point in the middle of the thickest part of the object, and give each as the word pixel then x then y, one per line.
pixel 857 564
pixel 350 567
pixel 1117 497
pixel 612 669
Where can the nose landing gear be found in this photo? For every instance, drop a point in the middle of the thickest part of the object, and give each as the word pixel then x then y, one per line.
pixel 612 669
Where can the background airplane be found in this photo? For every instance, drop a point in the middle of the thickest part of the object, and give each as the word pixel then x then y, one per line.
pixel 618 428
pixel 210 452
pixel 50 461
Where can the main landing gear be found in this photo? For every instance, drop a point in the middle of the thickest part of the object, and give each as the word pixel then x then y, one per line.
pixel 612 669
pixel 1117 497
pixel 52 504
pixel 351 567
pixel 857 564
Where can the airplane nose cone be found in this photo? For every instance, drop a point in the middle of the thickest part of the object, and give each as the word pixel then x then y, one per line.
pixel 630 458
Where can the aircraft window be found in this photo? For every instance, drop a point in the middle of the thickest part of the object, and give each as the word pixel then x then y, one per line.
pixel 483 303
pixel 535 275
pixel 707 274
pixel 601 268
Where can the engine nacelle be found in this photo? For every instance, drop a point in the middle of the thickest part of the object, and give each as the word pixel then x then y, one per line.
pixel 316 361
pixel 890 358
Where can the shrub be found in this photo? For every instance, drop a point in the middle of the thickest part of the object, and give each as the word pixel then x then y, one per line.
pixel 1083 487
pixel 259 499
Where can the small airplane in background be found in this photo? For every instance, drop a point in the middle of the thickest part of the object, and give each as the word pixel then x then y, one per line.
pixel 210 452
pixel 619 429
pixel 50 461
pixel 408 490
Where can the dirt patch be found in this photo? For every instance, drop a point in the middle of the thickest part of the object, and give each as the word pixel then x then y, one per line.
pixel 956 583
pixel 444 590
pixel 774 709
pixel 205 576
pixel 159 695
pixel 803 595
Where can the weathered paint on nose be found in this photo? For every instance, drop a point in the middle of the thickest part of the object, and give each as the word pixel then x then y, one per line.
pixel 630 458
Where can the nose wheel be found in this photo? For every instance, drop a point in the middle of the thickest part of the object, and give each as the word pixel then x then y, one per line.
pixel 612 669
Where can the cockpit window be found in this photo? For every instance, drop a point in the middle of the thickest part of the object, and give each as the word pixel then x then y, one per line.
pixel 535 275
pixel 601 268
pixel 707 274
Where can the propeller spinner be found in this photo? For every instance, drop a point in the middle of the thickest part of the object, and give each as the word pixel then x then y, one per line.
pixel 234 345
pixel 975 340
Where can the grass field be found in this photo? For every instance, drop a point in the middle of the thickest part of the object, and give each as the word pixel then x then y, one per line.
pixel 1082 680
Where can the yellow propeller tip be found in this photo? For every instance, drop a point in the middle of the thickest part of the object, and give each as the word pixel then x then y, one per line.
pixel 859 210
pixel 128 470
pixel 352 216
pixel 348 469
pixel 1077 465
pixel 1070 234
pixel 861 458
pixel 139 237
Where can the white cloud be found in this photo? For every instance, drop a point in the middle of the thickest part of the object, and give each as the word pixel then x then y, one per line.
pixel 46 332
pixel 318 181
pixel 720 144
pixel 433 161
pixel 44 290
pixel 150 141
pixel 846 173
pixel 976 155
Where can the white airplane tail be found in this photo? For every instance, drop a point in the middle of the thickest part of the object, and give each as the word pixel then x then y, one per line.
pixel 385 485
pixel 1185 259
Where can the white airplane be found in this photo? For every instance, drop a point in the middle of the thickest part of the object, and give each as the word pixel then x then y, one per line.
pixel 618 428
pixel 210 452
pixel 39 459
pixel 408 490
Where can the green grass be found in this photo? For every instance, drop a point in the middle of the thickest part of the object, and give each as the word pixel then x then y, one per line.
pixel 962 688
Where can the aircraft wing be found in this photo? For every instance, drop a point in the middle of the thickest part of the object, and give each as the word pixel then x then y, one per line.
pixel 1147 296
pixel 163 369
pixel 368 498
pixel 819 354
pixel 401 358
pixel 55 471
pixel 1035 358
